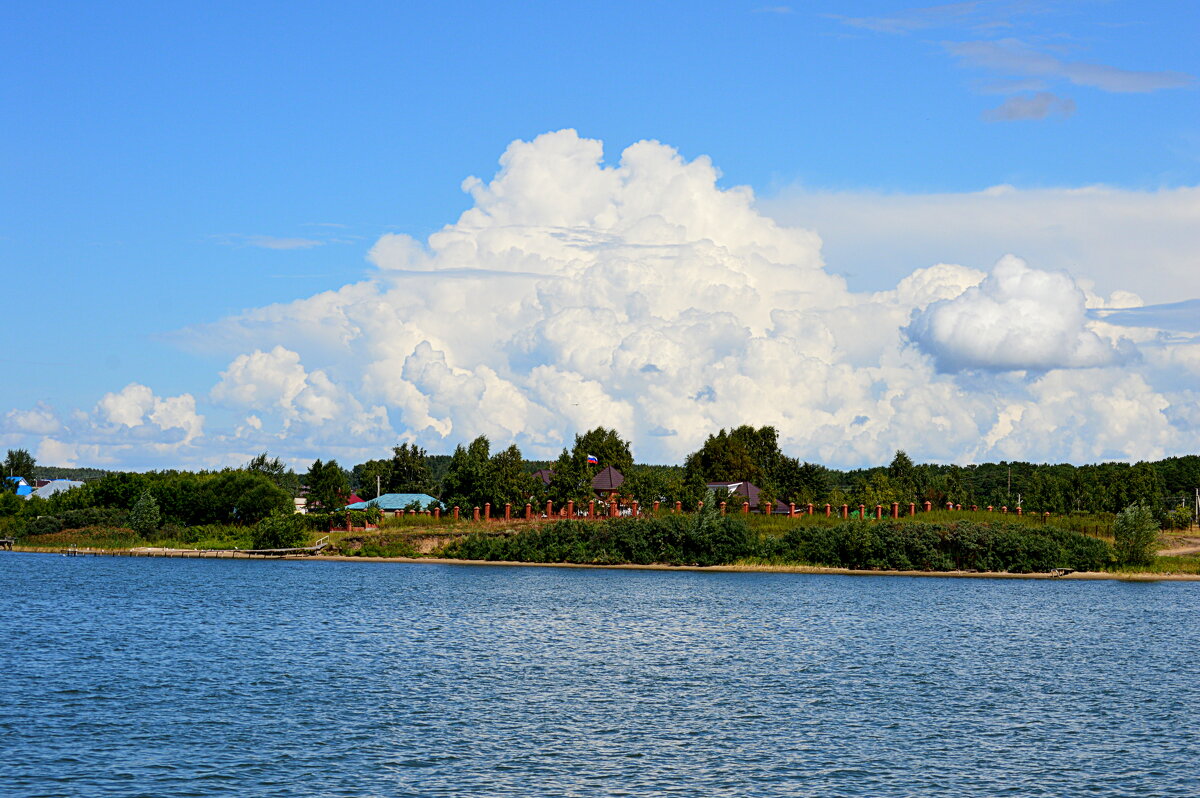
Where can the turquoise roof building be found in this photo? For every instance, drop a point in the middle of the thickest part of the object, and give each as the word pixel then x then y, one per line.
pixel 394 501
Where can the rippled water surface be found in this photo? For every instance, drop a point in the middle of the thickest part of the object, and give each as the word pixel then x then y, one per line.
pixel 151 677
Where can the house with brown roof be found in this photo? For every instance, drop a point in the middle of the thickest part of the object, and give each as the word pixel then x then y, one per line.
pixel 739 492
pixel 607 483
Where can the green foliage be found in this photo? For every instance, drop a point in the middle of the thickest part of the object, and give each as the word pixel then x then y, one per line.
pixel 10 504
pixel 1135 533
pixel 573 474
pixel 274 469
pixel 371 478
pixel 327 485
pixel 750 454
pixel 475 477
pixel 280 531
pixel 19 463
pixel 145 517
pixel 671 539
pixel 42 525
pixel 409 472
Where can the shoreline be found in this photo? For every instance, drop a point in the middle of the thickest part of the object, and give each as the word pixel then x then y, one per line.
pixel 1140 576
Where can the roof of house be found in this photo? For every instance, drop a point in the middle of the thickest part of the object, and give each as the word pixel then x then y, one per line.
pixel 608 479
pixel 354 498
pixel 747 489
pixel 23 487
pixel 394 501
pixel 56 486
pixel 544 474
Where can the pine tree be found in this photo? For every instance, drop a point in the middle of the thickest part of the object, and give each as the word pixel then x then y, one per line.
pixel 144 518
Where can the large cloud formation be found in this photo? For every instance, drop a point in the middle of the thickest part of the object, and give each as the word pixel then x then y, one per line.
pixel 644 296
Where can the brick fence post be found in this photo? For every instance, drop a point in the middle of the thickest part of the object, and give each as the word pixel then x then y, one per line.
pixel 895 509
pixel 528 511
pixel 508 511
pixel 656 506
pixel 678 508
pixel 745 508
pixel 475 514
pixel 845 511
pixel 791 509
pixel 570 508
pixel 878 512
pixel 722 508
pixel 928 506
pixel 592 509
pixel 828 510
pixel 456 512
pixel 549 508
pixel 487 511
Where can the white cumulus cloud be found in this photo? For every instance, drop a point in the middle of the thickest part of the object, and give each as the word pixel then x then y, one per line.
pixel 1018 318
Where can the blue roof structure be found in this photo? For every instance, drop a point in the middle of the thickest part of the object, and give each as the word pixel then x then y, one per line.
pixel 394 501
pixel 56 486
pixel 23 487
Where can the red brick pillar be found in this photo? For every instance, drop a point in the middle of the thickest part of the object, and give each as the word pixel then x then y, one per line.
pixel 745 508
pixel 699 506
pixel 974 508
pixel 487 511
pixel 769 507
pixel 635 509
pixel 475 514
pixel 656 507
pixel 1018 511
pixel 828 510
pixel 895 509
pixel 989 508
pixel 678 508
pixel 1046 516
pixel 549 508
pixel 528 511
pixel 949 505
pixel 437 513
pixel 928 506
pixel 958 508
pixel 862 511
pixel 614 509
pixel 571 508
pixel 456 512
pixel 845 511
pixel 791 509
pixel 878 512
pixel 507 511
pixel 1004 509
pixel 912 508
pixel 592 509
pixel 810 508
pixel 722 508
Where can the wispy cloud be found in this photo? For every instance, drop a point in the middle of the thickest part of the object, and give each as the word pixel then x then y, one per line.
pixel 774 10
pixel 913 19
pixel 1015 57
pixel 1030 106
pixel 267 242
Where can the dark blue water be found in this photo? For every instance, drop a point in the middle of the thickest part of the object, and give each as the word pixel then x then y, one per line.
pixel 195 678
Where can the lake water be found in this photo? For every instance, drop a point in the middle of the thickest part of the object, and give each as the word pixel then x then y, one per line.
pixel 144 677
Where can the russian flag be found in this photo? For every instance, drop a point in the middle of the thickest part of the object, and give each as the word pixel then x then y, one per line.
pixel 593 460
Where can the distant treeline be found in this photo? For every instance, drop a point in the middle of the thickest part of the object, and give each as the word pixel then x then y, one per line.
pixel 474 475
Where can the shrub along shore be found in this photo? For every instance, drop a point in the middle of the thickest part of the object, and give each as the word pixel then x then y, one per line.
pixel 937 542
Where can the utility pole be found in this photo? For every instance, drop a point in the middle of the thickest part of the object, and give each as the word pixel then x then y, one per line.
pixel 377 489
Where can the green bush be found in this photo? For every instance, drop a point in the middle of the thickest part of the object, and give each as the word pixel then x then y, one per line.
pixel 42 525
pixel 1135 533
pixel 145 517
pixel 280 531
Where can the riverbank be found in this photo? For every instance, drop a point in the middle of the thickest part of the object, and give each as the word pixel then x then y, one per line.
pixel 1120 576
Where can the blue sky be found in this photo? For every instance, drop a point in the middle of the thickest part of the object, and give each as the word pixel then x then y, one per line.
pixel 168 166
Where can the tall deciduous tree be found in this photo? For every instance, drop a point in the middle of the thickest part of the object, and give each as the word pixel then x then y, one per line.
pixel 573 473
pixel 410 470
pixel 327 485
pixel 19 463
